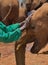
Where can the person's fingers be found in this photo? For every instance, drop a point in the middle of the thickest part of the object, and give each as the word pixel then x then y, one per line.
pixel 23 27
pixel 28 18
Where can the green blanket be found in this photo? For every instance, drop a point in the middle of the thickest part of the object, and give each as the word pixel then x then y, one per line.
pixel 9 33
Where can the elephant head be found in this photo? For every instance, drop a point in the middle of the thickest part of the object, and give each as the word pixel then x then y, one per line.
pixel 38 29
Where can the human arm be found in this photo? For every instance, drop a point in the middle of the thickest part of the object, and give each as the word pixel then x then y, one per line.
pixel 10 36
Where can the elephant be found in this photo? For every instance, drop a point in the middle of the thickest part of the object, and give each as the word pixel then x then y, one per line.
pixel 9 11
pixel 34 4
pixel 37 3
pixel 36 31
pixel 41 21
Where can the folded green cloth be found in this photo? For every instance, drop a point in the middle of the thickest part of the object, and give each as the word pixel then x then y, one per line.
pixel 9 33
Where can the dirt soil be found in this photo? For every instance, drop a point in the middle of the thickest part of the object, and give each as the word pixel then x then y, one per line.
pixel 7 56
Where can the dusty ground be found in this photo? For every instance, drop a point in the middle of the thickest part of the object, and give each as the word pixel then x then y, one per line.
pixel 7 55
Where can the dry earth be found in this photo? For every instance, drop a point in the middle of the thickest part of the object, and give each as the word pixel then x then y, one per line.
pixel 7 55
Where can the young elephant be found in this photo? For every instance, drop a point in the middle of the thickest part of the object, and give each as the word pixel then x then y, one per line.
pixel 40 31
pixel 34 4
pixel 37 3
pixel 37 31
pixel 9 11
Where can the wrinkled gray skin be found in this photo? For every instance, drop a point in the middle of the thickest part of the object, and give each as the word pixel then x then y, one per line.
pixel 36 31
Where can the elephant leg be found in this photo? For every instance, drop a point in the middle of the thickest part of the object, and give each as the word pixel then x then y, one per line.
pixel 20 51
pixel 20 55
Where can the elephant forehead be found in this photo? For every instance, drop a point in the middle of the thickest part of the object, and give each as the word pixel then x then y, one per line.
pixel 39 23
pixel 42 24
pixel 36 23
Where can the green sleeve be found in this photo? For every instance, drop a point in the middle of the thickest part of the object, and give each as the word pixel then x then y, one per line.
pixel 10 36
pixel 9 28
pixel 2 26
pixel 13 27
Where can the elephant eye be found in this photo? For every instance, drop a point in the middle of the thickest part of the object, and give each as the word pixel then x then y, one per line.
pixel 33 26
